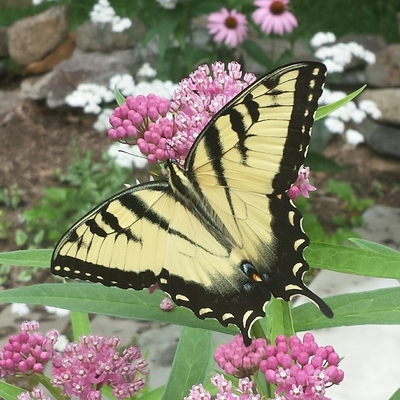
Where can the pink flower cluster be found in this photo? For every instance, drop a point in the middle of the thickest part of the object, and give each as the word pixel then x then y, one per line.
pixel 299 369
pixel 225 390
pixel 27 352
pixel 143 120
pixel 230 26
pixel 93 362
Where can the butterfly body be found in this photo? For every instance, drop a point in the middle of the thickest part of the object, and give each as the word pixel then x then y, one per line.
pixel 221 235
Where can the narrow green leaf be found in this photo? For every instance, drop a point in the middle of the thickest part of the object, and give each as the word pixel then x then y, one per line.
pixel 380 248
pixel 9 392
pixel 352 260
pixel 323 111
pixel 97 299
pixel 191 363
pixel 375 307
pixel 119 97
pixel 27 258
pixel 80 324
pixel 281 318
pixel 395 395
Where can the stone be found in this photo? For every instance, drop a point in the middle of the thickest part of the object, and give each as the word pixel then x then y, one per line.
pixel 9 100
pixel 383 138
pixel 386 70
pixel 31 39
pixel 3 42
pixel 387 100
pixel 374 43
pixel 84 67
pixel 100 37
pixel 60 53
pixel 35 87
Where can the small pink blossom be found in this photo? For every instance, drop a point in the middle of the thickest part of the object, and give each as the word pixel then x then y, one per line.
pixel 227 26
pixel 273 16
pixel 93 362
pixel 302 185
pixel 226 391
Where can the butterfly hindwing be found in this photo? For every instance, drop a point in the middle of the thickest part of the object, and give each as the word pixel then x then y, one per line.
pixel 221 235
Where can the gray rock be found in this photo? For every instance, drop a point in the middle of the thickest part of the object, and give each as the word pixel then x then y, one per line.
pixel 387 100
pixel 35 87
pixel 383 138
pixel 9 100
pixel 3 42
pixel 374 43
pixel 89 68
pixel 386 71
pixel 100 37
pixel 30 39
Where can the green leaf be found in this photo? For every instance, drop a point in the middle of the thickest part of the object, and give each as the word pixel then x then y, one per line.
pixel 352 260
pixel 395 395
pixel 375 307
pixel 280 315
pixel 318 162
pixel 9 392
pixel 323 111
pixel 80 324
pixel 119 97
pixel 27 258
pixel 191 363
pixel 97 299
pixel 379 248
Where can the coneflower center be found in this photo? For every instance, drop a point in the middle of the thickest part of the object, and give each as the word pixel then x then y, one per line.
pixel 277 8
pixel 231 23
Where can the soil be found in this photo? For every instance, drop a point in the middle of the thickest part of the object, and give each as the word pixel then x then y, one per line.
pixel 35 141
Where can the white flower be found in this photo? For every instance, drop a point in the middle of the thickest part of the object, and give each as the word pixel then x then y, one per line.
pixel 354 137
pixel 20 309
pixel 102 123
pixel 89 96
pixel 370 107
pixel 168 4
pixel 321 38
pixel 124 83
pixel 146 71
pixel 120 24
pixel 159 88
pixel 103 13
pixel 127 156
pixel 334 125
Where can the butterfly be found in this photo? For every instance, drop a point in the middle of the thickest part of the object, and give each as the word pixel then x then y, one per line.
pixel 220 235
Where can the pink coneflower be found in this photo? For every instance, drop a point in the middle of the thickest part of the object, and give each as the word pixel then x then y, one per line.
pixel 227 26
pixel 273 16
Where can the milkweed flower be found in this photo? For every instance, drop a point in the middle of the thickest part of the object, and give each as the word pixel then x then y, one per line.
pixel 302 185
pixel 302 369
pixel 147 122
pixel 239 360
pixel 273 16
pixel 227 26
pixel 35 394
pixel 27 352
pixel 244 391
pixel 93 362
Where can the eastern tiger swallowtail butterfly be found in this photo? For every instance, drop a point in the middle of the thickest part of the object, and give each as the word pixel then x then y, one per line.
pixel 220 235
